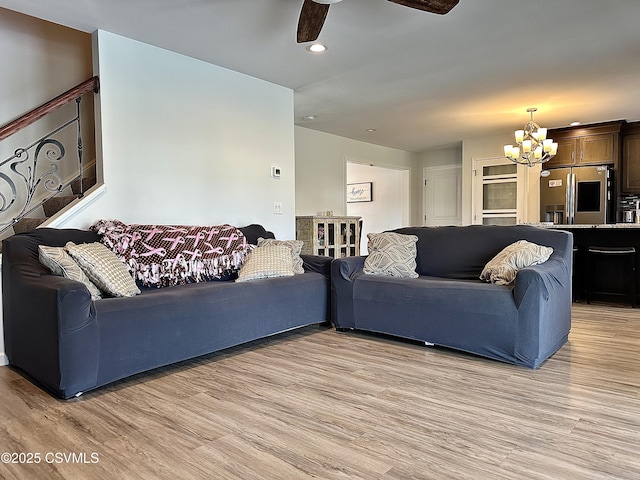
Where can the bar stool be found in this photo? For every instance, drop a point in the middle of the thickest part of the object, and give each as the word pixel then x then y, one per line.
pixel 573 271
pixel 627 254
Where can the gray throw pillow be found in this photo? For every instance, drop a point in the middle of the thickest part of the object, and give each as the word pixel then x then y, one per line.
pixel 503 268
pixel 104 268
pixel 267 262
pixel 391 254
pixel 60 263
pixel 294 245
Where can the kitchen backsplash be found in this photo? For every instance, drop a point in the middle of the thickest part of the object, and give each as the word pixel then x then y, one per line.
pixel 627 208
pixel 627 202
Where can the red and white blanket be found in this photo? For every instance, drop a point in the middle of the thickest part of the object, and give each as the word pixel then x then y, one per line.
pixel 163 255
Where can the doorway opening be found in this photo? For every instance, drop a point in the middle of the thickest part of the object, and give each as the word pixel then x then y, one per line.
pixel 389 207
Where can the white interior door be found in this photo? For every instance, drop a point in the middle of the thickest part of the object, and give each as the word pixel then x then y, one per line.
pixel 442 195
pixel 498 193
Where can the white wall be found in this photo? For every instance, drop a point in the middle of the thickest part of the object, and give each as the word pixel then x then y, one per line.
pixel 39 61
pixel 321 160
pixel 449 155
pixel 184 141
pixel 389 207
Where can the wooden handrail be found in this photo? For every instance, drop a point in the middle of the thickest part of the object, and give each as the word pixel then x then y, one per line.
pixel 93 84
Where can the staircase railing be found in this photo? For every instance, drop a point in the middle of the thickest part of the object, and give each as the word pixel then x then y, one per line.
pixel 20 173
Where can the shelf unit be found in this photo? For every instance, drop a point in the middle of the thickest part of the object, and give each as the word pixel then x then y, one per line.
pixel 329 236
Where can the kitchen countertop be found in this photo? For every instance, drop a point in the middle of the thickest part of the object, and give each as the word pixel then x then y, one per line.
pixel 608 226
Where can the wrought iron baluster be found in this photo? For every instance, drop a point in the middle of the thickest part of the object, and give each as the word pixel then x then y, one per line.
pixel 79 130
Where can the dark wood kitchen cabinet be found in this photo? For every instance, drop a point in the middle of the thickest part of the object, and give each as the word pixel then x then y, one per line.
pixel 594 144
pixel 631 158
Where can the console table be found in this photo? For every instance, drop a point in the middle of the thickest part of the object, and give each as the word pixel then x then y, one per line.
pixel 329 236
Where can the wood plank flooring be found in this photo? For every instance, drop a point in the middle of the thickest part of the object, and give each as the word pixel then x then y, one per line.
pixel 320 404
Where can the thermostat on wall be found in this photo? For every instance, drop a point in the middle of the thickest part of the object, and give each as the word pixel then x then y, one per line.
pixel 275 172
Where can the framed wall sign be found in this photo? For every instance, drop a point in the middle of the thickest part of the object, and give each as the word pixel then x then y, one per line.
pixel 359 192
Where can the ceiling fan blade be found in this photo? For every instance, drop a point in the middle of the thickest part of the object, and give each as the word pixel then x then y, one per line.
pixel 311 20
pixel 440 7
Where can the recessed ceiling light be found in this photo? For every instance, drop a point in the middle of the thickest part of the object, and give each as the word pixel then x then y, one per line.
pixel 317 48
pixel 309 117
pixel 574 124
pixel 371 130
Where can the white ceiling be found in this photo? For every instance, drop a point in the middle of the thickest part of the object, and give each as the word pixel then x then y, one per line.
pixel 421 80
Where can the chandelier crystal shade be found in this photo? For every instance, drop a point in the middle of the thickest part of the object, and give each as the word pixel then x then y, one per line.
pixel 532 145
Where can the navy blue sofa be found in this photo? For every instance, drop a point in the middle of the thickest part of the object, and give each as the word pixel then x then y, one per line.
pixel 70 344
pixel 448 305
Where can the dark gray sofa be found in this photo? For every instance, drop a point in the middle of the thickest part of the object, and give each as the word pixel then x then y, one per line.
pixel 70 344
pixel 448 305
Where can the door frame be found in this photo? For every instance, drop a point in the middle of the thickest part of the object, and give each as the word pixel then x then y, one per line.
pixel 521 185
pixel 441 168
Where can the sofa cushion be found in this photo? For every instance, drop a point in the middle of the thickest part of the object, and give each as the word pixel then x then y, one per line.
pixel 294 245
pixel 462 252
pixel 391 254
pixel 104 268
pixel 469 315
pixel 502 268
pixel 60 263
pixel 267 262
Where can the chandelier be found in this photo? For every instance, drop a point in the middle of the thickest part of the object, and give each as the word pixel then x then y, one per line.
pixel 533 146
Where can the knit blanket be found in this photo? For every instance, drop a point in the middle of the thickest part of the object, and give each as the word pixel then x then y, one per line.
pixel 163 255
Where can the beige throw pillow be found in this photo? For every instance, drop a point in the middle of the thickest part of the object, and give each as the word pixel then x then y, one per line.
pixel 294 245
pixel 392 255
pixel 60 263
pixel 503 268
pixel 104 268
pixel 267 262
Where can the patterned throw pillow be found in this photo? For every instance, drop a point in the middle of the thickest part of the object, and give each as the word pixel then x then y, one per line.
pixel 267 262
pixel 294 245
pixel 60 263
pixel 392 255
pixel 502 268
pixel 103 268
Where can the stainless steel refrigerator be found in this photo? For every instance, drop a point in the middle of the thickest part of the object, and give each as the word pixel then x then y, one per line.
pixel 577 195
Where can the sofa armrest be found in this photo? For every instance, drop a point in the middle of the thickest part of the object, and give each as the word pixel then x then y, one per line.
pixel 51 329
pixel 543 297
pixel 317 263
pixel 343 273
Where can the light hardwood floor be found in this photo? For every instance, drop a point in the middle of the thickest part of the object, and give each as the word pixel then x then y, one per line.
pixel 319 404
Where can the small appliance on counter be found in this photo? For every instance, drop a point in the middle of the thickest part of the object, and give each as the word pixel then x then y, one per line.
pixel 629 216
pixel 577 195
